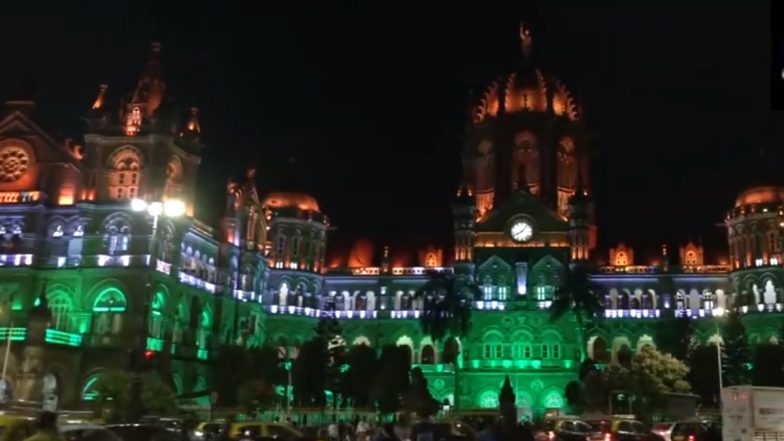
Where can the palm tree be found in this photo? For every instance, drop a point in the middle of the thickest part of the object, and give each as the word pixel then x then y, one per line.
pixel 447 305
pixel 447 311
pixel 578 295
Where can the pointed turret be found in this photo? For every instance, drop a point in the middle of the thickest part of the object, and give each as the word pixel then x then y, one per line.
pixel 464 218
pixel 580 214
pixel 99 100
pixel 526 40
pixel 192 128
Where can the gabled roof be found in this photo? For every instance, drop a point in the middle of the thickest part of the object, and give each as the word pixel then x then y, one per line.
pixel 522 203
pixel 17 124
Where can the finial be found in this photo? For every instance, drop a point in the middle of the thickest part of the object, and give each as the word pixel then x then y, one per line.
pixel 525 40
pixel 101 96
pixel 193 121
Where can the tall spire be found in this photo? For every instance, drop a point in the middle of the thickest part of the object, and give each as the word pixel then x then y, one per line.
pixel 193 121
pixel 525 40
pixel 151 88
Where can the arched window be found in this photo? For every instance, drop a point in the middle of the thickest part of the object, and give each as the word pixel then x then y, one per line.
pixel 156 318
pixel 430 260
pixel 124 168
pixel 173 177
pixel 283 294
pixel 525 162
pixel 567 174
pixel 181 321
pixel 60 304
pixel 108 310
pixel 406 303
pixel 428 355
pixel 599 350
pixel 493 346
pixel 621 259
pixel 117 235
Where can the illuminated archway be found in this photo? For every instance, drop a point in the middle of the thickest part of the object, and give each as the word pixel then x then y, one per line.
pixel 487 399
pixel 552 399
pixel 108 309
pixel 89 388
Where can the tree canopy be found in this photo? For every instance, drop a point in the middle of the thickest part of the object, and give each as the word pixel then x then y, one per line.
pixel 447 305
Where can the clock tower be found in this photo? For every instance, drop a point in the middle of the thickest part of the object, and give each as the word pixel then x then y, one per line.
pixel 526 164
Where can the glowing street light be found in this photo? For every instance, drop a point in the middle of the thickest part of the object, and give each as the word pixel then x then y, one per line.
pixel 171 208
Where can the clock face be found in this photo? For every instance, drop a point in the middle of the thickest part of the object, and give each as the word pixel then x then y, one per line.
pixel 521 231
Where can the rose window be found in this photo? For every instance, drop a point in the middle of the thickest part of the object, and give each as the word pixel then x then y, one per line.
pixel 13 163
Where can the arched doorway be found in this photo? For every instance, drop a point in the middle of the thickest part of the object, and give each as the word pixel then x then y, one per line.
pixel 451 351
pixel 428 355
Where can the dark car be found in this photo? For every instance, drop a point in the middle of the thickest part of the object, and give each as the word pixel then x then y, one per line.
pixel 143 432
pixel 695 431
pixel 568 430
pixel 621 429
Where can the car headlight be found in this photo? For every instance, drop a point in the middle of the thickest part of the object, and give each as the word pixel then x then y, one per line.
pixel 198 433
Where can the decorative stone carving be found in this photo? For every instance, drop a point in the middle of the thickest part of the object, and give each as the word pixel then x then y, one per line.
pixel 14 162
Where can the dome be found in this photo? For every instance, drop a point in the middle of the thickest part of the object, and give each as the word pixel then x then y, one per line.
pixel 526 89
pixel 760 195
pixel 302 201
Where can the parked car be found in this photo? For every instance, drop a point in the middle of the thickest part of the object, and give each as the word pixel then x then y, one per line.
pixel 545 429
pixel 86 432
pixel 566 429
pixel 206 431
pixel 621 429
pixel 142 432
pixel 15 428
pixel 664 430
pixel 257 431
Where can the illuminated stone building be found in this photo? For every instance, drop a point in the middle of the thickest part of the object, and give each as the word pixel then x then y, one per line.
pixel 81 273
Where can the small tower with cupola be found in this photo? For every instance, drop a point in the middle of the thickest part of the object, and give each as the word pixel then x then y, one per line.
pixel 464 217
pixel 580 216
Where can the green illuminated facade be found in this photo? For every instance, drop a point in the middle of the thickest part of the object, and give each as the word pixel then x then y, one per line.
pixel 78 282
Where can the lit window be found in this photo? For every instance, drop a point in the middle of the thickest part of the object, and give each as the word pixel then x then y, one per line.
pixel 121 179
pixel 620 259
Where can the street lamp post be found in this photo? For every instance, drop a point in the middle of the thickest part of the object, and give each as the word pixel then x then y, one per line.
pixel 719 312
pixel 172 208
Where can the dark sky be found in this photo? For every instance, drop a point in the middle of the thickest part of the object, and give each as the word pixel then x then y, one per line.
pixel 362 103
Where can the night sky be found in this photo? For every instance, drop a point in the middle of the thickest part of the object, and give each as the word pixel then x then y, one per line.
pixel 362 104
